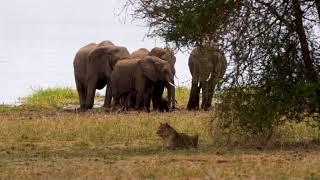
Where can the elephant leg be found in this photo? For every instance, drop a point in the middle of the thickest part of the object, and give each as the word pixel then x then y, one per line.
pixel 211 88
pixel 115 102
pixel 141 85
pixel 204 95
pixel 157 95
pixel 170 97
pixel 193 102
pixel 126 102
pixel 139 101
pixel 147 102
pixel 108 95
pixel 132 101
pixel 91 92
pixel 198 96
pixel 82 91
pixel 173 99
pixel 147 98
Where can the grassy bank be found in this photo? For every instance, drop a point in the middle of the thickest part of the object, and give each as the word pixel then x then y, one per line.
pixel 39 140
pixel 51 98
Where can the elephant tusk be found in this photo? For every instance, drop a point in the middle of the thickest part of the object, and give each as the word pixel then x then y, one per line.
pixel 209 77
pixel 172 84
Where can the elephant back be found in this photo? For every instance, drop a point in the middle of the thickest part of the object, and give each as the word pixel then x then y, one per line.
pixel 110 54
pixel 84 52
pixel 139 53
pixel 105 43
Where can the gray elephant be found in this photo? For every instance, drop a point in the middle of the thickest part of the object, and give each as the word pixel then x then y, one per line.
pixel 93 65
pixel 167 55
pixel 207 65
pixel 130 99
pixel 137 77
pixel 137 54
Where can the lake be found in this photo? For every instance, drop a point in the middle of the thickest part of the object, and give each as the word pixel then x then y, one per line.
pixel 37 47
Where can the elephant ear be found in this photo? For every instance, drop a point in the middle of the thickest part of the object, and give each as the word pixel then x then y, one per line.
pixel 148 68
pixel 112 54
pixel 117 53
pixel 99 56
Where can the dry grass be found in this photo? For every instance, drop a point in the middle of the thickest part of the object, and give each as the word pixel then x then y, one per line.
pixel 50 143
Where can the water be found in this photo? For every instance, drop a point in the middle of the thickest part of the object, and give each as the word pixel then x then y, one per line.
pixel 37 47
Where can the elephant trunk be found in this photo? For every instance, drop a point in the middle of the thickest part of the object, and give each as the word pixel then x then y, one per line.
pixel 173 100
pixel 171 93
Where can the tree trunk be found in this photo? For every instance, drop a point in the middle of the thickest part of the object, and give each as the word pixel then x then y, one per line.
pixel 317 2
pixel 308 63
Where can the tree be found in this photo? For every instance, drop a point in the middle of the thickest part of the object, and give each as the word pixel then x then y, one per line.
pixel 317 4
pixel 272 47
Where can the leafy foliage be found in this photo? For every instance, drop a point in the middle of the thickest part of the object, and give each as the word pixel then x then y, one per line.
pixel 272 47
pixel 185 23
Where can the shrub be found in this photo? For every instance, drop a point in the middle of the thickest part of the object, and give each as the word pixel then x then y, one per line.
pixel 258 110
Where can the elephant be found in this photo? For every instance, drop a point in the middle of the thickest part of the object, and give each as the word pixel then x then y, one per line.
pixel 207 65
pixel 93 65
pixel 137 54
pixel 130 98
pixel 163 105
pixel 137 77
pixel 80 65
pixel 167 55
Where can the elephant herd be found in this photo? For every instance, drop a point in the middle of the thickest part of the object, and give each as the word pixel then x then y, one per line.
pixel 137 79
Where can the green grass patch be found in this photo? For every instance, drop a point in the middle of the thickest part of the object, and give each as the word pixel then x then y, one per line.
pixel 58 97
pixel 7 108
pixel 52 98
pixel 182 96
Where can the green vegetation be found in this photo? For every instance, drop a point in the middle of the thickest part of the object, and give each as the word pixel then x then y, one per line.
pixel 59 97
pixel 260 110
pixel 52 98
pixel 182 96
pixel 6 108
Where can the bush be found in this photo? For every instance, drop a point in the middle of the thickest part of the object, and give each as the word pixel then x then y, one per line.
pixel 258 110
